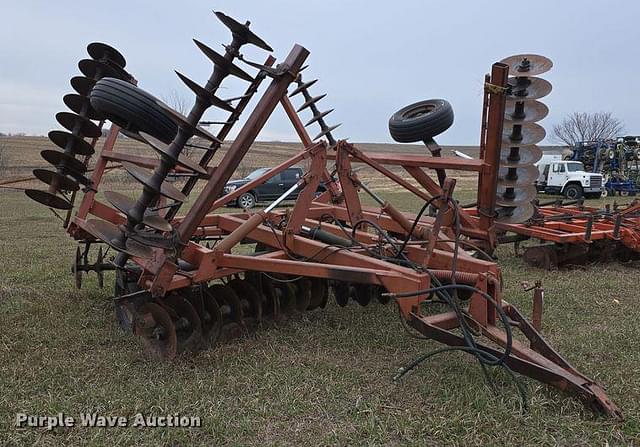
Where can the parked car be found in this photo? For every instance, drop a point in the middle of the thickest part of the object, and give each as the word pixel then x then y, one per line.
pixel 269 190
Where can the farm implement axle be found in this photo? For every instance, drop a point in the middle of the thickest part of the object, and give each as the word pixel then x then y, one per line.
pixel 180 279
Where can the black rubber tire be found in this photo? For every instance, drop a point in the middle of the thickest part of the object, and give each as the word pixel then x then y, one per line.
pixel 421 121
pixel 246 201
pixel 132 109
pixel 572 191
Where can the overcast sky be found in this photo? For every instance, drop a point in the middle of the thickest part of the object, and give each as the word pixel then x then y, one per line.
pixel 372 57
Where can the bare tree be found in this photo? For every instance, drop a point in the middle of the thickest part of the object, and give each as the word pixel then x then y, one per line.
pixel 583 126
pixel 243 170
pixel 177 101
pixel 180 104
pixel 3 156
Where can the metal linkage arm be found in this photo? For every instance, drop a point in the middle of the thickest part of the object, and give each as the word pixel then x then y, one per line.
pixel 242 143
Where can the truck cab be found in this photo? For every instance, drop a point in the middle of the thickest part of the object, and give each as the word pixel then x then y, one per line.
pixel 568 178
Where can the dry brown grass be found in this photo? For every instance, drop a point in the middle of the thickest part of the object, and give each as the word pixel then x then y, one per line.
pixel 322 378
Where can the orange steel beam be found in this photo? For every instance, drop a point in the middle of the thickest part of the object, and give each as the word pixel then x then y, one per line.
pixel 424 161
pixel 487 184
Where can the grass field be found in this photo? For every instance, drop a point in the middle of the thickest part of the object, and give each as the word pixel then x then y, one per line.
pixel 321 378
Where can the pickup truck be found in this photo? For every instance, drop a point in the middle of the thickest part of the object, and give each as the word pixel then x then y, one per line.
pixel 269 190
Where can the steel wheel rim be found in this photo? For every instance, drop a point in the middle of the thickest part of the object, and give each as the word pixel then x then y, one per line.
pixel 246 201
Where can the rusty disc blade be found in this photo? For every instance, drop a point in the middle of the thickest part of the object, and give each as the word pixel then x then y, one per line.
pixel 527 64
pixel 48 199
pixel 229 303
pixel 524 112
pixel 110 234
pixel 103 52
pixel 205 95
pixel 80 104
pixel 124 204
pixel 303 294
pixel 151 238
pixel 71 143
pixel 163 149
pixel 270 300
pixel 311 102
pixel 342 293
pixel 144 176
pixel 531 133
pixel 301 87
pixel 51 178
pixel 220 61
pixel 247 292
pixel 513 197
pixel 211 318
pixel 62 160
pixel 317 117
pixel 154 325
pixel 242 31
pixel 517 176
pixel 97 70
pixel 67 165
pixel 287 296
pixel 326 131
pixel 82 85
pixel 527 89
pixel 319 293
pixel 78 125
pixel 513 215
pixel 542 256
pixel 77 176
pixel 515 156
pixel 362 294
pixel 189 331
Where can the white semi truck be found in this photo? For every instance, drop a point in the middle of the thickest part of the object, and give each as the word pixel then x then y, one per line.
pixel 568 178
